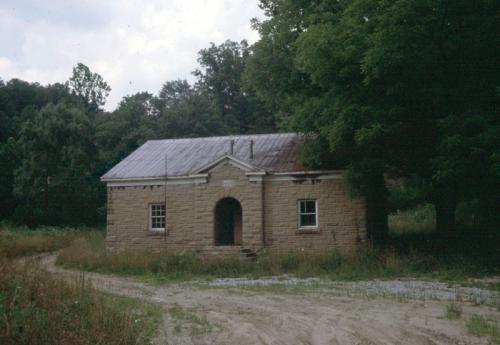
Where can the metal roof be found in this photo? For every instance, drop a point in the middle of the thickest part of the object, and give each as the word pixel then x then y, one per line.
pixel 280 152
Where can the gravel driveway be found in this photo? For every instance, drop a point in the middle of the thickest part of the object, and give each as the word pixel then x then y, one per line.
pixel 287 310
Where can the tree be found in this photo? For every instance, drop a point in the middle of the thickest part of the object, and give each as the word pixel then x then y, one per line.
pixel 221 80
pixel 54 179
pixel 89 87
pixel 130 125
pixel 187 112
pixel 19 102
pixel 386 84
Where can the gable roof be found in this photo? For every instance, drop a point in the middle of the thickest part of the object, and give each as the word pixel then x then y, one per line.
pixel 273 153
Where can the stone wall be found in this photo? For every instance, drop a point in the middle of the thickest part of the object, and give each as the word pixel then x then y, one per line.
pixel 341 220
pixel 189 213
pixel 269 205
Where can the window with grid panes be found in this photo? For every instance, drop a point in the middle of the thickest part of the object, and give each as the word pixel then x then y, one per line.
pixel 157 217
pixel 308 213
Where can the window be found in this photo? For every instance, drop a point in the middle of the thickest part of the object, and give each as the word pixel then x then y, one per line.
pixel 308 213
pixel 157 217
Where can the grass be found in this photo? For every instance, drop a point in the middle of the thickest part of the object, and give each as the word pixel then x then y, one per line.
pixel 36 308
pixel 18 241
pixel 453 311
pixel 423 256
pixel 199 325
pixel 413 251
pixel 420 220
pixel 482 326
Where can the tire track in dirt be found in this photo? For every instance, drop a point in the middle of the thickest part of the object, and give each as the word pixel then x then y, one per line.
pixel 237 316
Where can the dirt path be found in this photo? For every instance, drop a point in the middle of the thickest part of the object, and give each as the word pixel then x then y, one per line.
pixel 235 315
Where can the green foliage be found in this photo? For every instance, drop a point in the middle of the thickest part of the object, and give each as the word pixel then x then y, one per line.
pixel 56 141
pixel 187 111
pixel 130 125
pixel 396 88
pixel 221 80
pixel 17 241
pixel 420 219
pixel 483 326
pixel 453 311
pixel 89 87
pixel 54 178
pixel 408 255
pixel 37 308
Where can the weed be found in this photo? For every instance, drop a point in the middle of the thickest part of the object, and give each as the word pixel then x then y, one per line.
pixel 199 324
pixel 453 311
pixel 418 220
pixel 482 326
pixel 421 258
pixel 39 309
pixel 418 253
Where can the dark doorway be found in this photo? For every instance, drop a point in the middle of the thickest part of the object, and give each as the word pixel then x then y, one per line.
pixel 228 222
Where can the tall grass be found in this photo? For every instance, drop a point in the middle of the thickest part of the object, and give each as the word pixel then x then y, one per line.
pixel 36 308
pixel 419 258
pixel 419 220
pixel 482 326
pixel 413 250
pixel 16 241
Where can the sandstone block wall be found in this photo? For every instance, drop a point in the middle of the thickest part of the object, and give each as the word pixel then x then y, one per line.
pixel 189 213
pixel 269 212
pixel 341 220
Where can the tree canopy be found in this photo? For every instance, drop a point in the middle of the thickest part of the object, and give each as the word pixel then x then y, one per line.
pixel 393 89
pixel 56 140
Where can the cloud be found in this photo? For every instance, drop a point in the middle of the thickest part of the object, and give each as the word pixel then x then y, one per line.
pixel 135 45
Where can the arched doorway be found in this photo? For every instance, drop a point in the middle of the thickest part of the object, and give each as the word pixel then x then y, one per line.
pixel 228 222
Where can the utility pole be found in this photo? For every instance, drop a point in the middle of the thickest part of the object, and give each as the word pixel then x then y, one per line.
pixel 165 197
pixel 46 198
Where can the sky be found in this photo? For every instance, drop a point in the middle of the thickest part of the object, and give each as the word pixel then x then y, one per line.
pixel 134 45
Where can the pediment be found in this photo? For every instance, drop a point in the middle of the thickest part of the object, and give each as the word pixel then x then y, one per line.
pixel 246 167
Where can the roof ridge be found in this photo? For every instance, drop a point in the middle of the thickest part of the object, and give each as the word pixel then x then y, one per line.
pixel 227 136
pixel 272 152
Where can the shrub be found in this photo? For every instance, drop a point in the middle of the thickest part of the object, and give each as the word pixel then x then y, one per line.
pixel 453 311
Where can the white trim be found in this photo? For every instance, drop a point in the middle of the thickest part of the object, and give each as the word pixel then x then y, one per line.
pixel 310 172
pixel 316 213
pixel 158 181
pixel 156 178
pixel 253 176
pixel 293 177
pixel 157 230
pixel 232 160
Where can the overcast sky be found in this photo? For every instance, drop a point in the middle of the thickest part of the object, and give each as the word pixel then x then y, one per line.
pixel 134 45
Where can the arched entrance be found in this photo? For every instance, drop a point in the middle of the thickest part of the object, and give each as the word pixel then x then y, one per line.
pixel 228 222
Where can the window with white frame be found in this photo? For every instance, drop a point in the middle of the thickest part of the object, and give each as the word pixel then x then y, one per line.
pixel 157 217
pixel 308 213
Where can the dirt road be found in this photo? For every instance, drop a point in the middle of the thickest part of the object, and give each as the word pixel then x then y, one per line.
pixel 203 314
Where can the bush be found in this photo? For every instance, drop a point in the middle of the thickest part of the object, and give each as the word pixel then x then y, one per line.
pixel 453 311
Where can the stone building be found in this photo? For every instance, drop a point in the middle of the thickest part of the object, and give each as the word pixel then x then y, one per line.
pixel 234 194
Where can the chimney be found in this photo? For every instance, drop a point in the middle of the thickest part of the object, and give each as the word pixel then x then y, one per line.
pixel 251 149
pixel 231 147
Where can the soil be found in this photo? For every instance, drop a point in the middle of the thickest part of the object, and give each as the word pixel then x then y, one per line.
pixel 302 312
